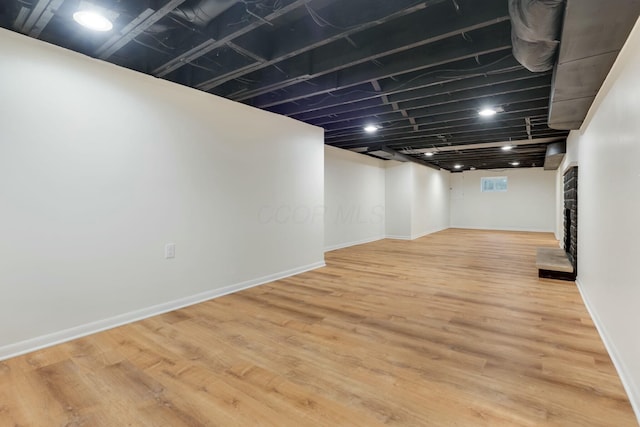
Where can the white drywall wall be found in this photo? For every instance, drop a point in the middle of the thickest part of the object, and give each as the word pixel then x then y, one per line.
pixel 354 198
pixel 430 208
pixel 100 167
pixel 417 200
pixel 608 213
pixel 398 196
pixel 529 204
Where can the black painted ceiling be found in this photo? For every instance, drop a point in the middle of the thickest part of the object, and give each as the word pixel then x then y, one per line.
pixel 419 70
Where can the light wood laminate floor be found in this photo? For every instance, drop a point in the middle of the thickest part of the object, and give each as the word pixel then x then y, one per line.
pixel 453 329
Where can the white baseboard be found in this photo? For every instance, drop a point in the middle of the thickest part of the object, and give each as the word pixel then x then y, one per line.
pixel 528 230
pixel 435 230
pixel 417 236
pixel 33 344
pixel 391 236
pixel 358 242
pixel 623 371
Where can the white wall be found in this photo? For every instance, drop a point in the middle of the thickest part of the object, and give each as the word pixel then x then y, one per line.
pixel 608 213
pixel 354 198
pixel 417 200
pixel 529 204
pixel 101 166
pixel 399 195
pixel 430 207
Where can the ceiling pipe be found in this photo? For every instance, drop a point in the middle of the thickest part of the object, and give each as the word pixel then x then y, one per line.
pixel 535 32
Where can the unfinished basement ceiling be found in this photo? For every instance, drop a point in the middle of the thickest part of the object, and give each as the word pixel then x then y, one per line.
pixel 420 71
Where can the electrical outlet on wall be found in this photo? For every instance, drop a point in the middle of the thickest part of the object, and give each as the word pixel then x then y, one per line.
pixel 170 250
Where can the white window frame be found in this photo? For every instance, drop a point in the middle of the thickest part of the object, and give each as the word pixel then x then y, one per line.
pixel 494 179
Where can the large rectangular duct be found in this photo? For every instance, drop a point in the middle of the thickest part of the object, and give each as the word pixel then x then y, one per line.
pixel 593 33
pixel 555 155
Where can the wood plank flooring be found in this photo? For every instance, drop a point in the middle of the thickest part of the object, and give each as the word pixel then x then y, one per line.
pixel 453 329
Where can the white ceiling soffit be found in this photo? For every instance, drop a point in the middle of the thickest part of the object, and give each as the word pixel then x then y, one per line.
pixel 593 33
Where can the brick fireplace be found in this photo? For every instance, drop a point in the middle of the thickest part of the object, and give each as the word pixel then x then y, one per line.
pixel 571 216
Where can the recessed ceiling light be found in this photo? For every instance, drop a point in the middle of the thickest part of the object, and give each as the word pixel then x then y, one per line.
pixel 371 128
pixel 458 166
pixel 515 163
pixel 487 112
pixel 507 147
pixel 429 154
pixel 92 20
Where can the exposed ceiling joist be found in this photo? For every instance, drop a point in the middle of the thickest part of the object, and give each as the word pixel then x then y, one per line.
pixel 406 133
pixel 36 12
pixel 291 47
pixel 145 20
pixel 329 61
pixel 225 34
pixel 437 76
pixel 418 106
pixel 452 89
pixel 21 18
pixel 44 18
pixel 469 108
pixel 332 83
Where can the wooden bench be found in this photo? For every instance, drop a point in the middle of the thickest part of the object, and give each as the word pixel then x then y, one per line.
pixel 553 263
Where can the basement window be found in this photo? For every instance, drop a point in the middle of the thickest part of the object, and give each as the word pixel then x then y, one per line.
pixel 493 184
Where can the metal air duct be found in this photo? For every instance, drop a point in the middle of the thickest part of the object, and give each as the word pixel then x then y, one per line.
pixel 536 26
